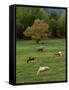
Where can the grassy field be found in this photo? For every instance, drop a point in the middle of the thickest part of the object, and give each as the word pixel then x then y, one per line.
pixel 27 73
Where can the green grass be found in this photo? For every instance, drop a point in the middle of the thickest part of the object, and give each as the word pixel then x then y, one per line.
pixel 27 73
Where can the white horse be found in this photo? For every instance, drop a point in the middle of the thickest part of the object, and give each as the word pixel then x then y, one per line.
pixel 42 69
pixel 59 53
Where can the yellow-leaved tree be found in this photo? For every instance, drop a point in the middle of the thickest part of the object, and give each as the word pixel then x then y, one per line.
pixel 38 31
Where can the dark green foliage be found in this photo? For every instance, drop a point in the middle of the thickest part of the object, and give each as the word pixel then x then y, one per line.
pixel 57 24
pixel 25 17
pixel 61 25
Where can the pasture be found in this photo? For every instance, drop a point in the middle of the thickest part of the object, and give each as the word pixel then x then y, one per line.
pixel 27 72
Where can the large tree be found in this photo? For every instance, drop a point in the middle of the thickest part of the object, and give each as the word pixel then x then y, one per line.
pixel 61 24
pixel 57 24
pixel 53 24
pixel 38 31
pixel 25 17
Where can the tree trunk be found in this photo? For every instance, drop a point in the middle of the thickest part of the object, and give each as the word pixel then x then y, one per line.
pixel 37 41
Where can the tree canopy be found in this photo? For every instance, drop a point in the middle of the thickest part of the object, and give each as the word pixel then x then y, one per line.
pixel 27 18
pixel 38 31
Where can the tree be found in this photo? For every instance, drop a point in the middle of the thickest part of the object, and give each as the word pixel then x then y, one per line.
pixel 38 31
pixel 23 20
pixel 61 24
pixel 53 24
pixel 25 17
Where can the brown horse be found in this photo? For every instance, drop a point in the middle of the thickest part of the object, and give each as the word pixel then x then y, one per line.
pixel 40 49
pixel 31 58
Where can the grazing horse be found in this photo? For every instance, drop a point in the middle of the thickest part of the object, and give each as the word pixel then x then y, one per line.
pixel 58 53
pixel 40 49
pixel 42 69
pixel 31 58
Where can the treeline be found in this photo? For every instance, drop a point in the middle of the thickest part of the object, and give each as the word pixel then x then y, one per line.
pixel 25 17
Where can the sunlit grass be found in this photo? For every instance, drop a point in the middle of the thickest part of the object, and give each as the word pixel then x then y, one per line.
pixel 26 73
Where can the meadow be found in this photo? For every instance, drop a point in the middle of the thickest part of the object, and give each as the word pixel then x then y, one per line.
pixel 27 72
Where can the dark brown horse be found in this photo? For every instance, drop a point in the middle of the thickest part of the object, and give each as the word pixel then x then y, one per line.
pixel 31 58
pixel 40 49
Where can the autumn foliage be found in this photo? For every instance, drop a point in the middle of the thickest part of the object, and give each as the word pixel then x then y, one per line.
pixel 38 31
